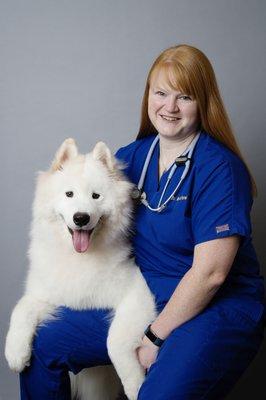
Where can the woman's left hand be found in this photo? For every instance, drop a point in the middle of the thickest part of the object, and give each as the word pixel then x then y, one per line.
pixel 147 353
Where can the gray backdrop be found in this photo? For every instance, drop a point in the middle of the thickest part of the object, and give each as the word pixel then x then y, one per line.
pixel 77 68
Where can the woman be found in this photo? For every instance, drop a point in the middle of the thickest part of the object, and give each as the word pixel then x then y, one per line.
pixel 196 254
pixel 192 243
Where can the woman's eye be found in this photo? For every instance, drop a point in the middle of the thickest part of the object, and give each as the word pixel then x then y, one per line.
pixel 185 97
pixel 95 195
pixel 160 93
pixel 69 194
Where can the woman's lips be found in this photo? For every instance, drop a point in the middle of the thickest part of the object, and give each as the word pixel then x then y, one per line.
pixel 169 119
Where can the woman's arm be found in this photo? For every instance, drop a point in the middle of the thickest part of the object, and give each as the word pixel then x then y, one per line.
pixel 211 264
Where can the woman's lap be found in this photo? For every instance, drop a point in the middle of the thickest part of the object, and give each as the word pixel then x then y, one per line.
pixel 201 359
pixel 70 341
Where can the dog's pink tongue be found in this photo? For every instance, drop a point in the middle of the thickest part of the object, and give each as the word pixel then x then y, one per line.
pixel 81 240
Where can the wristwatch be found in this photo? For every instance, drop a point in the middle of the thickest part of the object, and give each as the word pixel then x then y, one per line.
pixel 152 337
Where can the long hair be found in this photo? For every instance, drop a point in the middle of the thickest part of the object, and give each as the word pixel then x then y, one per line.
pixel 187 69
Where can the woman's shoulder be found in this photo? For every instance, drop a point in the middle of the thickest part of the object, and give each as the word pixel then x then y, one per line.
pixel 130 149
pixel 133 156
pixel 216 166
pixel 213 153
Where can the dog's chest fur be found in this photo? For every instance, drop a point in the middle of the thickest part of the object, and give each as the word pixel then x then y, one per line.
pixel 96 279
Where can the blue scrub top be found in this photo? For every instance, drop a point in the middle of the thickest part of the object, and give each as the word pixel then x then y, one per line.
pixel 214 201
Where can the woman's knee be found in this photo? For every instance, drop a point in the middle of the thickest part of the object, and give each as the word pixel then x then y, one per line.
pixel 75 339
pixel 47 344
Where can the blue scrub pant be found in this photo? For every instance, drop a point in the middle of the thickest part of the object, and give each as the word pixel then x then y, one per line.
pixel 202 359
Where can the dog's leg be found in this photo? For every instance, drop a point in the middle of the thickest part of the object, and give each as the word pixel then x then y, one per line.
pixel 132 316
pixel 24 319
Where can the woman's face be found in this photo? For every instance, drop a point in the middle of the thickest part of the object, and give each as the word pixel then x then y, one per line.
pixel 174 114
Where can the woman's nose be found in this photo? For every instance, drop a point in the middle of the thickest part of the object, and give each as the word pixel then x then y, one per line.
pixel 171 104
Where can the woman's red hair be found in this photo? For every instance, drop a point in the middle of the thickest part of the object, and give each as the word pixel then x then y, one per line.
pixel 187 69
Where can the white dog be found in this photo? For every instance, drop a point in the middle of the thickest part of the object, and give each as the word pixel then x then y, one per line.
pixel 79 258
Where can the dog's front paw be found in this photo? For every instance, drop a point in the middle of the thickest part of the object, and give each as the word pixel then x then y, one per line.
pixel 132 386
pixel 17 351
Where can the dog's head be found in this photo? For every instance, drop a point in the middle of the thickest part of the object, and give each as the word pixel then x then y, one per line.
pixel 84 195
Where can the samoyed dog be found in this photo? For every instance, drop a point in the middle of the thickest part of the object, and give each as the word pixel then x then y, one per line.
pixel 80 258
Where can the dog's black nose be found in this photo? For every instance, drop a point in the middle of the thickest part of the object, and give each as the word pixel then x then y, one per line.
pixel 81 219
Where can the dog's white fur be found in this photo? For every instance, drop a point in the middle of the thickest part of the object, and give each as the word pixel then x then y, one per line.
pixel 104 276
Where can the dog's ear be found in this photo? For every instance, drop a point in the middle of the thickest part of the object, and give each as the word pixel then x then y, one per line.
pixel 102 153
pixel 66 151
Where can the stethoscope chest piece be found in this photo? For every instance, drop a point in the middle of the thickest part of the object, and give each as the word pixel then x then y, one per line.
pixel 137 195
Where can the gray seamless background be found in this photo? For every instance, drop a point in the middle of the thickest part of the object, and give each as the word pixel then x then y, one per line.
pixel 78 68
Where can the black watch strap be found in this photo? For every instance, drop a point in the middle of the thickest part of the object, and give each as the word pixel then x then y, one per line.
pixel 152 337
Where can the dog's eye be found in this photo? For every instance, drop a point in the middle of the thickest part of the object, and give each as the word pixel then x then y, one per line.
pixel 95 195
pixel 69 194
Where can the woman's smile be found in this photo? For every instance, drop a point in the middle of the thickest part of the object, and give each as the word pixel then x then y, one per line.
pixel 169 119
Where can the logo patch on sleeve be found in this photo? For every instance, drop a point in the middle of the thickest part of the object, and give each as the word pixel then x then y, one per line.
pixel 222 228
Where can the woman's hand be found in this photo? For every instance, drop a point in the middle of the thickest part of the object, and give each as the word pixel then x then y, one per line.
pixel 147 353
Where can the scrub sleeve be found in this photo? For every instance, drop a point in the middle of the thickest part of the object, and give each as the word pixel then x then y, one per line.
pixel 222 201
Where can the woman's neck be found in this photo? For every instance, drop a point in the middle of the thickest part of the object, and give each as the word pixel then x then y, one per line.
pixel 170 149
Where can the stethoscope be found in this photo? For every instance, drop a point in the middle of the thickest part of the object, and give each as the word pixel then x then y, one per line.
pixel 184 159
